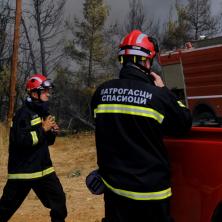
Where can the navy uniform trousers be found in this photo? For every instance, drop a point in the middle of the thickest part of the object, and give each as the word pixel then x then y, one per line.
pixel 48 189
pixel 121 209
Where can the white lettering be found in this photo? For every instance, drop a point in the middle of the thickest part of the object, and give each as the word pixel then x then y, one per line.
pixel 113 98
pixel 124 98
pixel 108 98
pixel 137 100
pixel 110 90
pixel 130 92
pixel 115 90
pixel 142 94
pixel 118 98
pixel 130 99
pixel 149 95
pixel 125 95
pixel 143 101
pixel 136 92
pixel 106 91
pixel 125 91
pixel 120 91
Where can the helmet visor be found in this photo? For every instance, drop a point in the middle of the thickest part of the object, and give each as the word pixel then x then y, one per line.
pixel 47 84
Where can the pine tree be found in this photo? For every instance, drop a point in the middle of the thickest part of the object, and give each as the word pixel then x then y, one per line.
pixel 177 31
pixel 193 20
pixel 200 18
pixel 86 47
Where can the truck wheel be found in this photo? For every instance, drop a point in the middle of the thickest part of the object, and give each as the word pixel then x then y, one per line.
pixel 205 119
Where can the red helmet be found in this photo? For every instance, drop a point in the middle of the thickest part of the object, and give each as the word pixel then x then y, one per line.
pixel 38 81
pixel 138 44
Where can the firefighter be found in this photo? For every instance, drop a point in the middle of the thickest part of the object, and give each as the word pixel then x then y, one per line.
pixel 132 114
pixel 29 166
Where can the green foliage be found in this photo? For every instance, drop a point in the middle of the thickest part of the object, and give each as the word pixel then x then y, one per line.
pixel 193 19
pixel 4 81
pixel 70 102
pixel 200 18
pixel 95 13
pixel 177 31
pixel 4 92
pixel 87 47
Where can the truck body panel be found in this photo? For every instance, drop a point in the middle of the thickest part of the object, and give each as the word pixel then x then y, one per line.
pixel 196 174
pixel 196 75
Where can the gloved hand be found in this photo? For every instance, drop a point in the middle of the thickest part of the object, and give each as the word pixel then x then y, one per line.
pixel 95 183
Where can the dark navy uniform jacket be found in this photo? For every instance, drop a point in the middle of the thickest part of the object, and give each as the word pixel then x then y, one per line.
pixel 29 156
pixel 132 115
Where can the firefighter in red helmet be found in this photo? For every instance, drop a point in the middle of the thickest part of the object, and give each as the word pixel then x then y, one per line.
pixel 29 166
pixel 132 113
pixel 38 82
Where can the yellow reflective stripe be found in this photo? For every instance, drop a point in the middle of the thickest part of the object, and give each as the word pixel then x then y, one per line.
pixel 163 194
pixel 129 109
pixel 181 104
pixel 34 137
pixel 36 121
pixel 31 175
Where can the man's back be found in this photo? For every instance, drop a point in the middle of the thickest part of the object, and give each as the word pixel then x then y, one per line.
pixel 131 114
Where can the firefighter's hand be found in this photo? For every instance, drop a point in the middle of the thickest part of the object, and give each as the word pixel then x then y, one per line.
pixel 55 129
pixel 48 123
pixel 157 79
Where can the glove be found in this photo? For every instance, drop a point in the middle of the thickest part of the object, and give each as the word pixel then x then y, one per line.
pixel 95 183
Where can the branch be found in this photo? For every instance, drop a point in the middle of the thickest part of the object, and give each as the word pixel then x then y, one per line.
pixel 30 46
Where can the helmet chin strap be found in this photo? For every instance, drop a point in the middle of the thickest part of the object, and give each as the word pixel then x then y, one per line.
pixel 34 98
pixel 140 67
pixel 39 94
pixel 138 63
pixel 143 69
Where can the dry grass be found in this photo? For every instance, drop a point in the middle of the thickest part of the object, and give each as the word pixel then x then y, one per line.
pixel 3 135
pixel 3 148
pixel 73 157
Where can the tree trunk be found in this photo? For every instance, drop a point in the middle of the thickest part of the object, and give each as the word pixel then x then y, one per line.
pixel 14 60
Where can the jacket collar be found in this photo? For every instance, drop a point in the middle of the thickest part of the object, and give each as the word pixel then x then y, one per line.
pixel 131 71
pixel 41 108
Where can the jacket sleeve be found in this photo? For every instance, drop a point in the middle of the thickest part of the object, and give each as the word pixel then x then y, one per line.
pixel 93 105
pixel 24 134
pixel 50 136
pixel 177 117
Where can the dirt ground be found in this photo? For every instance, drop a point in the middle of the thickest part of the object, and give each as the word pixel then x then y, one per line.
pixel 73 157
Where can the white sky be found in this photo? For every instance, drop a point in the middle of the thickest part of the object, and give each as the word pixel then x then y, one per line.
pixel 157 8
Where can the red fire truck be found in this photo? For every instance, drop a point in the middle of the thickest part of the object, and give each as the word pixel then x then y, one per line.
pixel 195 75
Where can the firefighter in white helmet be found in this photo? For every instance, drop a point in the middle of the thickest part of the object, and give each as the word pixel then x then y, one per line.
pixel 29 164
pixel 132 114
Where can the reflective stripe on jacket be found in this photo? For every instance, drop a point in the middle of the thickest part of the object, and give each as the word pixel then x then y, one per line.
pixel 31 175
pixel 163 194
